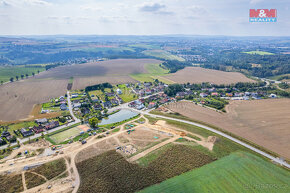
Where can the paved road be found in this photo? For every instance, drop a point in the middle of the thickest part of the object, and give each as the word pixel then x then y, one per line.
pixel 70 108
pixel 277 160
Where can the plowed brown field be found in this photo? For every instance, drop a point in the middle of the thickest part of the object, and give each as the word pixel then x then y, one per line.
pixel 264 122
pixel 199 75
pixel 17 98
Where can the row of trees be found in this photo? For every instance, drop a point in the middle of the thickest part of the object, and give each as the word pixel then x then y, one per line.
pixel 22 77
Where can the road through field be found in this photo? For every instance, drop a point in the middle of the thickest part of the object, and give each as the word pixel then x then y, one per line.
pixel 277 160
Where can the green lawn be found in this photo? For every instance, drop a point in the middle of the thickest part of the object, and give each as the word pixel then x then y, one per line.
pixel 155 71
pixel 21 125
pixel 64 135
pixel 162 54
pixel 259 53
pixel 127 94
pixel 7 72
pixel 238 172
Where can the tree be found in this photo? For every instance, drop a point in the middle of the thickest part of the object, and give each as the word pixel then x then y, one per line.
pixel 105 111
pixel 11 79
pixel 22 76
pixel 17 77
pixel 93 122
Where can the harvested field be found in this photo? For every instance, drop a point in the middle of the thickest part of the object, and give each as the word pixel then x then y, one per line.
pixel 18 98
pixel 110 172
pixel 264 122
pixel 109 67
pixel 199 75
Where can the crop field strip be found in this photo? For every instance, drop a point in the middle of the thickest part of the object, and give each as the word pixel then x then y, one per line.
pixel 238 172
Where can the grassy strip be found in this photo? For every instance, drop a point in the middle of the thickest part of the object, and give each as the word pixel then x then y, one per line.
pixel 178 116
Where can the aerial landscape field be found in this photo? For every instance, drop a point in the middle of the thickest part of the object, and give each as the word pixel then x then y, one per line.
pixel 144 96
pixel 199 75
pixel 264 122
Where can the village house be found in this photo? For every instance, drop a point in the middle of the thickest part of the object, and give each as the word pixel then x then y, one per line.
pixel 61 98
pixel 74 95
pixel 203 95
pixel 107 104
pixel 110 94
pixel 115 102
pixel 41 121
pixel 63 107
pixel 5 134
pixel 38 129
pixel 229 94
pixel 273 96
pixel 151 105
pixel 214 94
pixel 51 125
pixel 26 132
pixel 119 91
pixel 98 107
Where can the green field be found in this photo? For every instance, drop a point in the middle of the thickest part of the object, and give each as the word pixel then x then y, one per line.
pixel 155 71
pixel 259 53
pixel 64 135
pixel 127 94
pixel 238 172
pixel 162 54
pixel 145 46
pixel 7 72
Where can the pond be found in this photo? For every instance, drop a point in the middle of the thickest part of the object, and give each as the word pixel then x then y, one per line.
pixel 122 115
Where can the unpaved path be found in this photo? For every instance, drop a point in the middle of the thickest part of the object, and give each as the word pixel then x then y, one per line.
pixel 142 154
pixel 23 181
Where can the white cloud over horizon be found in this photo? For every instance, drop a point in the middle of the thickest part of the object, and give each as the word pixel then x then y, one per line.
pixel 131 17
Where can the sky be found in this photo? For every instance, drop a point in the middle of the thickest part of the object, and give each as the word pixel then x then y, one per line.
pixel 137 17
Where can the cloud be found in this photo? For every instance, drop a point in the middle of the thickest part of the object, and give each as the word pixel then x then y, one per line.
pixel 255 1
pixel 155 8
pixel 20 3
pixel 152 7
pixel 4 4
pixel 197 10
